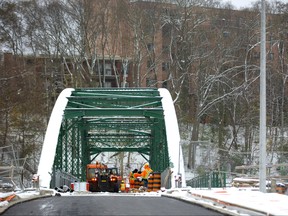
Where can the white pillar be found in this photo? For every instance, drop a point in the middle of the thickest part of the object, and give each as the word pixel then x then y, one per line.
pixel 262 132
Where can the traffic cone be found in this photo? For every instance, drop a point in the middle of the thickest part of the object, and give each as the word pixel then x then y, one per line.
pixel 122 186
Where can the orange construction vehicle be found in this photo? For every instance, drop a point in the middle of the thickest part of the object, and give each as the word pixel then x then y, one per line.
pixel 102 179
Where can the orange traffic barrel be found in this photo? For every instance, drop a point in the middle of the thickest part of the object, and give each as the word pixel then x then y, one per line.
pixel 156 181
pixel 150 183
pixel 136 184
pixel 280 189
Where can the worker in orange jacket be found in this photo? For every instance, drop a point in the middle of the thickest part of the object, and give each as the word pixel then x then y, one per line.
pixel 132 177
pixel 145 174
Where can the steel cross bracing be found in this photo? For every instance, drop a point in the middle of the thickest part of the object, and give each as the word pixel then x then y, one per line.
pixel 115 120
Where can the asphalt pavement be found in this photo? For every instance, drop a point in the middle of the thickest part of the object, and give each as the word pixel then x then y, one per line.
pixel 225 201
pixel 120 204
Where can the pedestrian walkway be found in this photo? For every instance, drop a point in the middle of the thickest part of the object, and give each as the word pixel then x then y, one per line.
pixel 235 199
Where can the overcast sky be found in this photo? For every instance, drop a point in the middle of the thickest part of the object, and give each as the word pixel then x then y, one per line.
pixel 246 3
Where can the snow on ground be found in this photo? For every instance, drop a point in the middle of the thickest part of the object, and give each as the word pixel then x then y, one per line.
pixel 251 198
pixel 227 200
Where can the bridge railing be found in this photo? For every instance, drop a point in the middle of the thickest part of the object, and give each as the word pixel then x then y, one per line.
pixel 208 180
pixel 63 178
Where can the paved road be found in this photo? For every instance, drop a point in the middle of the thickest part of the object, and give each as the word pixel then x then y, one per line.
pixel 107 205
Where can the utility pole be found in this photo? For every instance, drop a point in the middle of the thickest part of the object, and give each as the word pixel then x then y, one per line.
pixel 262 132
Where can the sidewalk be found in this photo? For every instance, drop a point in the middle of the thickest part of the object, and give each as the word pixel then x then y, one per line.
pixel 235 200
pixel 21 197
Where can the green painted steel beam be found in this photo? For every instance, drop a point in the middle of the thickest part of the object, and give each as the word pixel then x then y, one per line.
pixel 111 97
pixel 129 91
pixel 118 135
pixel 98 105
pixel 111 120
pixel 148 112
pixel 140 150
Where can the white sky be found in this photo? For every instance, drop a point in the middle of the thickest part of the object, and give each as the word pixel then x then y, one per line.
pixel 246 3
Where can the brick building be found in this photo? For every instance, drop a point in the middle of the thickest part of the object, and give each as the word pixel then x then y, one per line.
pixel 155 60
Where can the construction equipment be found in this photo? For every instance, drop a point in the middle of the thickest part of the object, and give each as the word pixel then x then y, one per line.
pixel 102 179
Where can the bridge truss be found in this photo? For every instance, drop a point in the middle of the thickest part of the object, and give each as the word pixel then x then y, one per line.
pixel 98 120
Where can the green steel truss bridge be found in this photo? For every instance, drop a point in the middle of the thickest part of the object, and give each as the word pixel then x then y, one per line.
pixel 86 122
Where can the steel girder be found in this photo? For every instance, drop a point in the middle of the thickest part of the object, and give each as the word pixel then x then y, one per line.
pixel 111 119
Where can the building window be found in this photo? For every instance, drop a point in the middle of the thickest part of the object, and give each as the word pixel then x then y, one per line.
pixel 165 48
pixel 226 34
pixel 151 82
pixel 108 69
pixel 29 61
pixel 150 65
pixel 271 56
pixel 166 31
pixel 256 55
pixel 108 84
pixel 126 84
pixel 165 66
pixel 150 47
pixel 67 67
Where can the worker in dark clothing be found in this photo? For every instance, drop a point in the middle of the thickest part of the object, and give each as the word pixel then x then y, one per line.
pixel 132 177
pixel 145 174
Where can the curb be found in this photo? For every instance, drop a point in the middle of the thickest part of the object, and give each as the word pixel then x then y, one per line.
pixel 207 206
pixel 223 207
pixel 21 200
pixel 221 202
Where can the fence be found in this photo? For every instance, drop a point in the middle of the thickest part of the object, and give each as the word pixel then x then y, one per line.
pixel 208 180
pixel 63 178
pixel 11 169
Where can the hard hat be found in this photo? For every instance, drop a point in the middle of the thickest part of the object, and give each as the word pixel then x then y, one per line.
pixel 146 165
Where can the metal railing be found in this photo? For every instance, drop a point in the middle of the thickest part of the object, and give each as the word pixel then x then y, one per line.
pixel 11 167
pixel 208 180
pixel 63 178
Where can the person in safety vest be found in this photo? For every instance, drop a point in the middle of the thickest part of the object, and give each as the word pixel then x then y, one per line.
pixel 132 177
pixel 145 174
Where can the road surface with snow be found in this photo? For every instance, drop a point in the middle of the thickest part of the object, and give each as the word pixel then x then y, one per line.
pixel 230 201
pixel 108 205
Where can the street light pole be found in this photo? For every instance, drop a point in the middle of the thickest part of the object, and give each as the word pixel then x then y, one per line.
pixel 262 134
